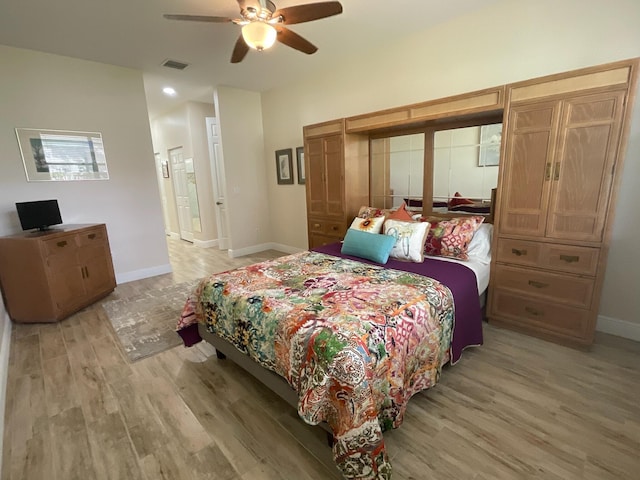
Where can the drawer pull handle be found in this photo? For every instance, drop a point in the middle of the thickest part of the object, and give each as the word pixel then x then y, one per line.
pixel 535 284
pixel 316 225
pixel 556 173
pixel 518 252
pixel 547 175
pixel 570 258
pixel 533 311
pixel 91 236
pixel 334 228
pixel 61 244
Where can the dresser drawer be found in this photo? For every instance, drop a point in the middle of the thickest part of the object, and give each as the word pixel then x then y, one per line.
pixel 540 315
pixel 96 236
pixel 561 258
pixel 575 291
pixel 60 245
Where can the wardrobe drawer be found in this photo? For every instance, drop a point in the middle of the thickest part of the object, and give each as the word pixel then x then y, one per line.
pixel 327 227
pixel 520 252
pixel 572 259
pixel 561 258
pixel 545 285
pixel 541 315
pixel 318 240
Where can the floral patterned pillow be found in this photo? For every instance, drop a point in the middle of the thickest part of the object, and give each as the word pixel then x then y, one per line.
pixel 370 212
pixel 451 237
pixel 371 225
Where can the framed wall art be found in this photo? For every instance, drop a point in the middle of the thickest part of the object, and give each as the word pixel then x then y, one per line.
pixel 62 155
pixel 300 161
pixel 284 166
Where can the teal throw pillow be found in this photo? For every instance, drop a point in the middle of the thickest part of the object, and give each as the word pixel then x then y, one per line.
pixel 372 246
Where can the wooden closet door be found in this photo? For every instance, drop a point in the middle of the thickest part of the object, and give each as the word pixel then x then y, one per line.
pixel 334 174
pixel 583 168
pixel 315 166
pixel 528 159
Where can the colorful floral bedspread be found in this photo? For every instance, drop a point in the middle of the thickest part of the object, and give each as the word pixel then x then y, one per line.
pixel 356 341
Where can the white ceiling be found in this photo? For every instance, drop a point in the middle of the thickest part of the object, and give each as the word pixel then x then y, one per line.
pixel 133 33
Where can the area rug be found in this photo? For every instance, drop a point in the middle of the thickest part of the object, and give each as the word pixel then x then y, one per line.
pixel 145 323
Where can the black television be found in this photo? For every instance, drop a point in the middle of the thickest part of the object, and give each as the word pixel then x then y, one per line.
pixel 41 214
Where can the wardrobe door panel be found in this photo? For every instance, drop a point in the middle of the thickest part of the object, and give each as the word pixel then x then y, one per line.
pixel 583 168
pixel 315 176
pixel 334 164
pixel 529 149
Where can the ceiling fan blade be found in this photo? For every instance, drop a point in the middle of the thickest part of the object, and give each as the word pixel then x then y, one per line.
pixel 293 40
pixel 198 18
pixel 239 51
pixel 308 12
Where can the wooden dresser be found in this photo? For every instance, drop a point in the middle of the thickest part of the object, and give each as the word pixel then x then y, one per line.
pixel 337 183
pixel 564 139
pixel 47 276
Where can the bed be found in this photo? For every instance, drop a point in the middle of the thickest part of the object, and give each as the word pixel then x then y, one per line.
pixel 346 341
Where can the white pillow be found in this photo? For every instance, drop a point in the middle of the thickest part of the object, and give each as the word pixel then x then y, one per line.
pixel 480 245
pixel 370 225
pixel 410 238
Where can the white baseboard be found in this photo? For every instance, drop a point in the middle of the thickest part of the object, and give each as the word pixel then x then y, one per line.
pixel 621 328
pixel 261 248
pixel 5 346
pixel 173 235
pixel 205 243
pixel 143 273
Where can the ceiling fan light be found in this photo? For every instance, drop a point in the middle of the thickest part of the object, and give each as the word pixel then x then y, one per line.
pixel 259 35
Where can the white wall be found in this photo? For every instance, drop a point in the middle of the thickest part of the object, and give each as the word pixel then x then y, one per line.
pixel 509 41
pixel 40 90
pixel 185 127
pixel 240 119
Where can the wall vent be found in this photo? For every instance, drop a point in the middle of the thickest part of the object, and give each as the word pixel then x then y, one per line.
pixel 175 64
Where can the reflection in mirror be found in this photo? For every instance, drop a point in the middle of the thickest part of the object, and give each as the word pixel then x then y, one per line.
pixel 192 192
pixel 465 168
pixel 397 171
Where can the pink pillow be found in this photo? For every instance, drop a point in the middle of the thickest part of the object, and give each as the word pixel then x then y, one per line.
pixel 451 238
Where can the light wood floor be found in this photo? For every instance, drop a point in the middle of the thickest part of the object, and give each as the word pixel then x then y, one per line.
pixel 516 408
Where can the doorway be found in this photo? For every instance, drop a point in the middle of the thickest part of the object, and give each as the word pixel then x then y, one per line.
pixel 181 193
pixel 218 181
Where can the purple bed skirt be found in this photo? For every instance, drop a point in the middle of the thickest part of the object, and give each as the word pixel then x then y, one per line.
pixel 461 280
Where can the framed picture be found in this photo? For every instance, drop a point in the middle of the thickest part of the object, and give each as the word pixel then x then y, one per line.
pixel 300 160
pixel 284 166
pixel 490 139
pixel 165 169
pixel 62 155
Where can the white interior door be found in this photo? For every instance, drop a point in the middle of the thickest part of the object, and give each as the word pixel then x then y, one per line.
pixel 218 181
pixel 181 192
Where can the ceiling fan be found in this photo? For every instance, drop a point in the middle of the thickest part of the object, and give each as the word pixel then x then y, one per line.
pixel 263 24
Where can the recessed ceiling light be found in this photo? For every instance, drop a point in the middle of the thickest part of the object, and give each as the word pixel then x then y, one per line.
pixel 169 91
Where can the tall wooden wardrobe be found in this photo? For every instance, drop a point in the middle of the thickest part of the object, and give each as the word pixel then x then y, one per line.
pixel 563 145
pixel 337 179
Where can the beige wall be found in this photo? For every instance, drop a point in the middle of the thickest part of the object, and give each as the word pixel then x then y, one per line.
pixel 508 41
pixel 185 127
pixel 40 90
